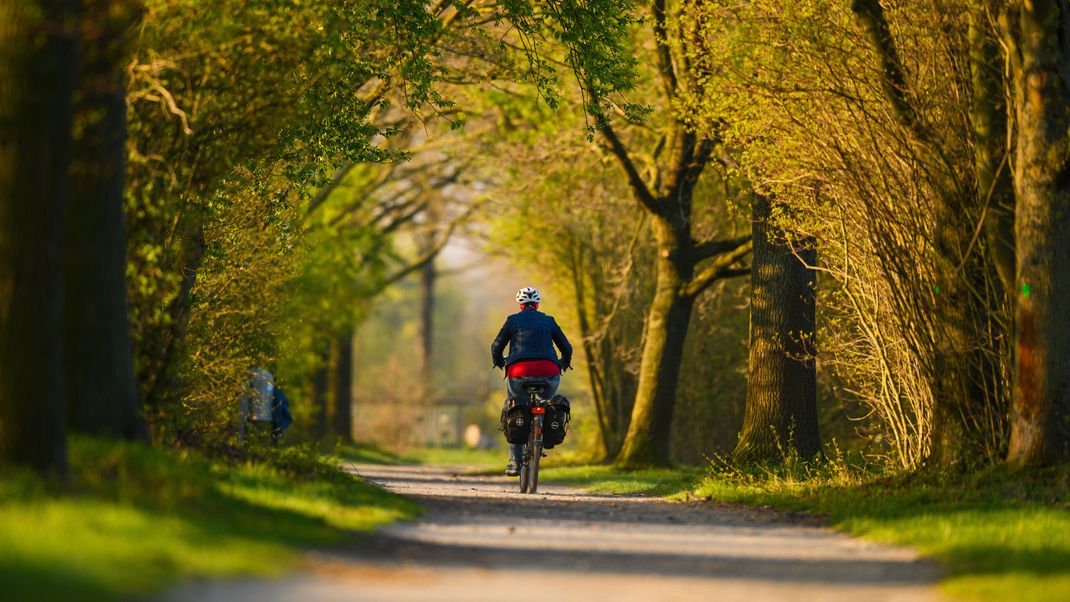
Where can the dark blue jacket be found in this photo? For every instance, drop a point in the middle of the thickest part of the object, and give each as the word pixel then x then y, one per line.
pixel 531 335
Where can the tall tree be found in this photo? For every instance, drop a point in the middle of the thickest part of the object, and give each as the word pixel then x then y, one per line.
pixel 38 55
pixel 342 386
pixel 428 280
pixel 427 317
pixel 781 411
pixel 98 362
pixel 680 275
pixel 321 385
pixel 1040 70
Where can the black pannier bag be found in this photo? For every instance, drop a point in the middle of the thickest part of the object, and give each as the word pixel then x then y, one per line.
pixel 516 420
pixel 555 425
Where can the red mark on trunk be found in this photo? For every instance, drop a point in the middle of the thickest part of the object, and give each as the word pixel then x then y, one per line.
pixel 1027 403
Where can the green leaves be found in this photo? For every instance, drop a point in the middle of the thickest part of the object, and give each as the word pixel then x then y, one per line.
pixel 242 109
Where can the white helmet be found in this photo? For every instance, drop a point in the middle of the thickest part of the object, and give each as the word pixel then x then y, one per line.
pixel 528 295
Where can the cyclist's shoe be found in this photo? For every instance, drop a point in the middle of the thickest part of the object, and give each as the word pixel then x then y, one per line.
pixel 512 469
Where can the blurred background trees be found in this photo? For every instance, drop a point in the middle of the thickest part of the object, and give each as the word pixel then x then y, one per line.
pixel 348 194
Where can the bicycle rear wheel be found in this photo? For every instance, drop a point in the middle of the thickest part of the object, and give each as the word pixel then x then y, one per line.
pixel 533 469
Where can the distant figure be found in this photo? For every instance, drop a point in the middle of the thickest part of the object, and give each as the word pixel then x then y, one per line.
pixel 531 336
pixel 264 403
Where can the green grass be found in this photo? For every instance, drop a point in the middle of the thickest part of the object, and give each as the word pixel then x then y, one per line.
pixel 132 519
pixel 476 458
pixel 1000 535
pixel 662 482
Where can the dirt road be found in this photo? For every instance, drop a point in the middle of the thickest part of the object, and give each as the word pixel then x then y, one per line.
pixel 479 541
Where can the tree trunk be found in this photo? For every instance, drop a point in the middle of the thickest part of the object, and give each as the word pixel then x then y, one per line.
pixel 321 385
pixel 648 438
pixel 988 117
pixel 37 70
pixel 595 370
pixel 428 275
pixel 620 391
pixel 781 411
pixel 98 362
pixel 342 407
pixel 1040 55
pixel 603 352
pixel 612 386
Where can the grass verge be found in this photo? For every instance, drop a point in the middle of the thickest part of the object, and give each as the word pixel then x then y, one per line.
pixel 662 482
pixel 132 519
pixel 1001 535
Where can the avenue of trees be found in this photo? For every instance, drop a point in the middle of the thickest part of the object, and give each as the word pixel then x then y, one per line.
pixel 764 216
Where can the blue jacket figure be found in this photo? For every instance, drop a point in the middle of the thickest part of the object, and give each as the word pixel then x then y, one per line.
pixel 281 418
pixel 531 336
pixel 265 403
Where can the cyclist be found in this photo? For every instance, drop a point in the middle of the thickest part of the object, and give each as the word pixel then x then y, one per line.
pixel 531 336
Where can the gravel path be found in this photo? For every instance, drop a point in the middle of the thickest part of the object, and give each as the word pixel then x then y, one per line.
pixel 480 540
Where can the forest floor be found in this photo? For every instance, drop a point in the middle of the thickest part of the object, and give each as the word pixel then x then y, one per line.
pixel 479 539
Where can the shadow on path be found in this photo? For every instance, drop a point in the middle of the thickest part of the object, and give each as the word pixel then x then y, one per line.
pixel 480 540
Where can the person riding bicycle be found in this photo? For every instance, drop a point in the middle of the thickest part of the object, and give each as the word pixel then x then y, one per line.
pixel 531 336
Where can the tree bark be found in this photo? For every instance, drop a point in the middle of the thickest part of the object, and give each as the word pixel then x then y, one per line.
pixel 321 386
pixel 38 58
pixel 1040 67
pixel 648 438
pixel 988 117
pixel 428 275
pixel 781 411
pixel 98 362
pixel 342 406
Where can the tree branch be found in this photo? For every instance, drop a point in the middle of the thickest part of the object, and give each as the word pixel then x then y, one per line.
pixel 415 207
pixel 380 87
pixel 736 272
pixel 871 16
pixel 693 158
pixel 661 40
pixel 720 268
pixel 429 255
pixel 708 248
pixel 336 181
pixel 639 186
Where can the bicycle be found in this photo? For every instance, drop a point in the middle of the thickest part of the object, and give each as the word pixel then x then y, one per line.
pixel 529 467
